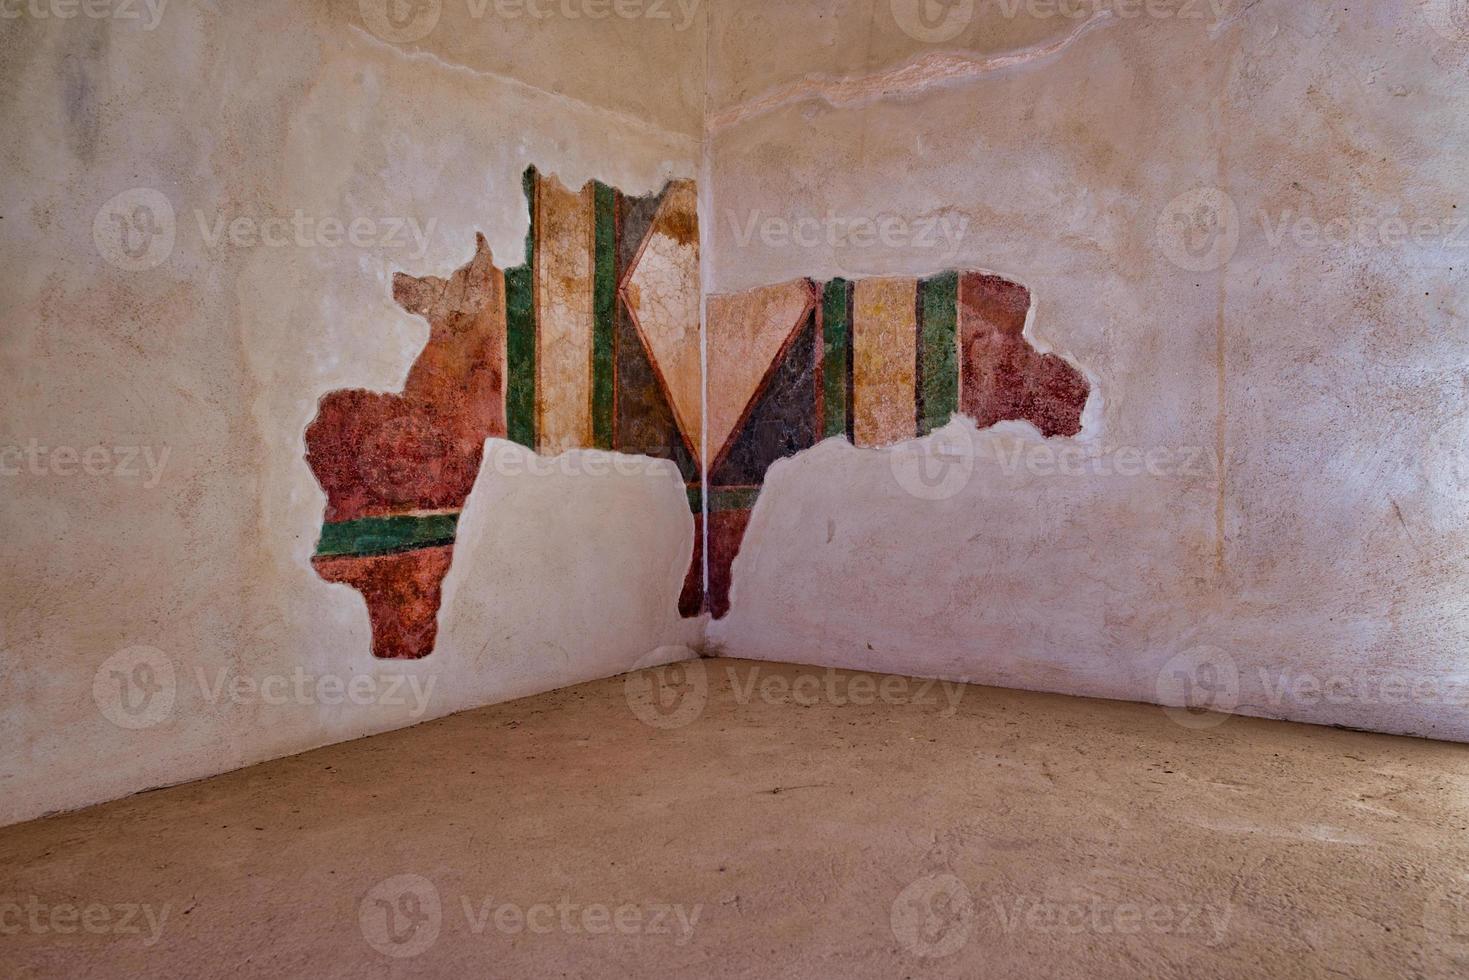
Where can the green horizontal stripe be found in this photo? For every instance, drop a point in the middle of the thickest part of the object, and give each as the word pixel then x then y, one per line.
pixel 732 498
pixel 386 535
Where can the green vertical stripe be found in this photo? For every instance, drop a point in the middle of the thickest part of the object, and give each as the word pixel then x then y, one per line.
pixel 835 361
pixel 604 285
pixel 520 341
pixel 938 351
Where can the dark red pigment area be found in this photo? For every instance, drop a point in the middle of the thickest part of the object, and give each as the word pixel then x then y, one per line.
pixel 691 600
pixel 379 455
pixel 1003 376
pixel 402 593
pixel 726 531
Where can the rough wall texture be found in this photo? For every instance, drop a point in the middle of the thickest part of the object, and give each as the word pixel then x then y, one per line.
pixel 1241 221
pixel 1233 236
pixel 183 283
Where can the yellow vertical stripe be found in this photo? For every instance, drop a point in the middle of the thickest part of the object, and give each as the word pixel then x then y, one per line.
pixel 884 361
pixel 565 303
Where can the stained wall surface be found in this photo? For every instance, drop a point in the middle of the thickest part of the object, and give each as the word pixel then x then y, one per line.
pixel 1243 224
pixel 1186 277
pixel 204 215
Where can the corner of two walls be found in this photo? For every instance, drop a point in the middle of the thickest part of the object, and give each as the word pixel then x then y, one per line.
pixel 1049 176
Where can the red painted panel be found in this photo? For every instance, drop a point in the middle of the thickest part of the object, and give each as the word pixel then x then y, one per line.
pixel 378 454
pixel 402 593
pixel 726 531
pixel 1002 376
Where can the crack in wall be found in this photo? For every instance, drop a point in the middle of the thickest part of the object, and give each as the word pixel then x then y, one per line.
pixel 920 75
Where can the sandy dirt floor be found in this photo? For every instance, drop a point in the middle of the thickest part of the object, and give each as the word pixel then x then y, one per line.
pixel 731 819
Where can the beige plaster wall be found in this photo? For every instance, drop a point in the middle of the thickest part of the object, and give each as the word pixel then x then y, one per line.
pixel 1297 546
pixel 1302 521
pixel 213 360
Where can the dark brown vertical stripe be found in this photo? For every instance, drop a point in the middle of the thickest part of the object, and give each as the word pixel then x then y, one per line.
pixel 604 286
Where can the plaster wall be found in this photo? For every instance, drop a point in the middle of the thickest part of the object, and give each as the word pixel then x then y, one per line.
pixel 214 358
pixel 1265 508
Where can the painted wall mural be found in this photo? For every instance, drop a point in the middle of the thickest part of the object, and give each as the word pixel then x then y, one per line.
pixel 594 342
pixel 879 361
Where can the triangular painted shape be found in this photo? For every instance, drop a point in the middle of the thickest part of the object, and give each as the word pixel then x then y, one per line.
pixel 747 331
pixel 782 419
pixel 645 424
pixel 662 294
